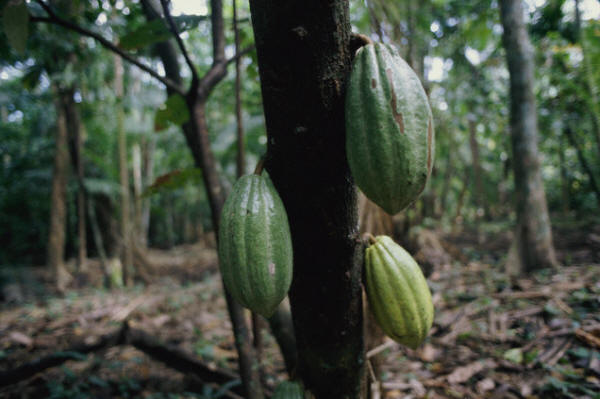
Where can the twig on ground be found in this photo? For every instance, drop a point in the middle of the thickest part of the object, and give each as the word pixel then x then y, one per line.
pixel 169 355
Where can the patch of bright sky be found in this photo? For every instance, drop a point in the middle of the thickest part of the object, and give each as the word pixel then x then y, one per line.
pixel 472 55
pixel 590 9
pixel 189 7
pixel 436 69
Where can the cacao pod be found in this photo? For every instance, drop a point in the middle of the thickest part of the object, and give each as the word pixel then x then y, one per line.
pixel 255 246
pixel 288 390
pixel 397 292
pixel 389 128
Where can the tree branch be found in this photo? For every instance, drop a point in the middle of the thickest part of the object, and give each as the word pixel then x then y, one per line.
pixel 218 32
pixel 53 18
pixel 173 28
pixel 218 69
pixel 241 53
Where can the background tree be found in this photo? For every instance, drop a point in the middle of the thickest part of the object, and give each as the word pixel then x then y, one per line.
pixel 56 237
pixel 534 234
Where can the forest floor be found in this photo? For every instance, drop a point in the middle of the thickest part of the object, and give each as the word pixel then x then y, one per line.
pixel 493 337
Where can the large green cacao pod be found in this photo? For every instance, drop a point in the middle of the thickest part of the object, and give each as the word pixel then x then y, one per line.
pixel 288 390
pixel 255 246
pixel 397 292
pixel 389 128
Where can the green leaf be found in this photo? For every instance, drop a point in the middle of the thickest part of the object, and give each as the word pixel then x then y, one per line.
pixel 174 111
pixel 145 35
pixel 187 22
pixel 101 186
pixel 15 19
pixel 514 355
pixel 173 180
pixel 32 77
pixel 156 31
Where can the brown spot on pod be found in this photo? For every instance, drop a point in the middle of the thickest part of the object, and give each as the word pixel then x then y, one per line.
pixel 394 103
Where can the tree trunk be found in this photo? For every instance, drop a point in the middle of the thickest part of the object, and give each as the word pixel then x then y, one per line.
pixel 148 178
pixel 415 57
pixel 58 208
pixel 304 59
pixel 583 162
pixel 240 161
pixel 138 186
pixel 594 107
pixel 479 193
pixel 460 202
pixel 126 249
pixel 448 173
pixel 75 130
pixel 535 247
pixel 564 178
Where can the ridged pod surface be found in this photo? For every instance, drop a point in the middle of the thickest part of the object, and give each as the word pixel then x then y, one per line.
pixel 288 390
pixel 389 128
pixel 255 246
pixel 398 293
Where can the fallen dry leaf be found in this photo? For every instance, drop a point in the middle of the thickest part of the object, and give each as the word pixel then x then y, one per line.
pixel 427 353
pixel 487 384
pixel 21 338
pixel 462 374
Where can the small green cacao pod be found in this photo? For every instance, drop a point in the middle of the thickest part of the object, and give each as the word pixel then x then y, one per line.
pixel 255 245
pixel 288 390
pixel 389 128
pixel 397 292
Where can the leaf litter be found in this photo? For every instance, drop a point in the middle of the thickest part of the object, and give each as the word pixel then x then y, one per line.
pixel 493 336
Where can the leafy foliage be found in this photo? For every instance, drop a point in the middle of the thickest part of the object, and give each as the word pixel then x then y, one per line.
pixel 15 19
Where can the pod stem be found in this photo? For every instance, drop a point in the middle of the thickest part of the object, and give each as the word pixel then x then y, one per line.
pixel 370 238
pixel 357 41
pixel 259 166
pixel 360 38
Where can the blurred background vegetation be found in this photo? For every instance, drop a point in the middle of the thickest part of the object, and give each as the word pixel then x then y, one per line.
pixel 455 47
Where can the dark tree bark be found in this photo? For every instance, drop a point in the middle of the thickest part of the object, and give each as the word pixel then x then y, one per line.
pixel 304 59
pixel 240 160
pixel 58 207
pixel 534 234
